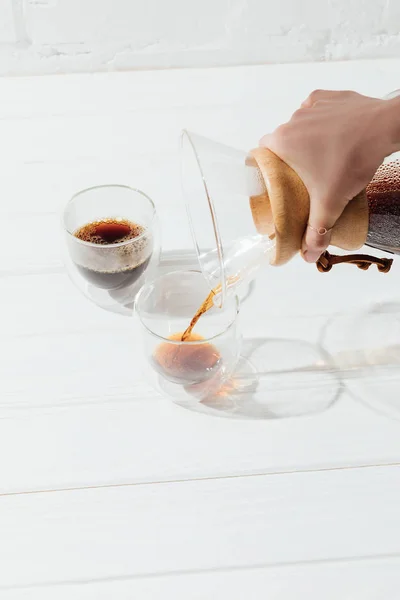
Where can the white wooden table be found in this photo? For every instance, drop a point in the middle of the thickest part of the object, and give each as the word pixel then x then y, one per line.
pixel 108 490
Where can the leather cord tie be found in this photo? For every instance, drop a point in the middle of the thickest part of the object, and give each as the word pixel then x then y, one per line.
pixel 362 261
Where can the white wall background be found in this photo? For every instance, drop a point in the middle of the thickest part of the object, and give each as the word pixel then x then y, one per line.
pixel 47 36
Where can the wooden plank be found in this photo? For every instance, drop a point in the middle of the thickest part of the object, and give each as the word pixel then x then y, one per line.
pixel 296 289
pixel 95 118
pixel 106 434
pixel 43 188
pixel 107 137
pixel 129 532
pixel 371 579
pixel 148 90
pixel 50 313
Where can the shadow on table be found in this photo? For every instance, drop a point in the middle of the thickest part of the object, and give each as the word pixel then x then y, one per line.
pixel 275 379
pixel 365 349
pixel 281 378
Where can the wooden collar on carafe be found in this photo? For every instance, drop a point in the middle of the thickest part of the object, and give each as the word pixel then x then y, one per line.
pixel 281 211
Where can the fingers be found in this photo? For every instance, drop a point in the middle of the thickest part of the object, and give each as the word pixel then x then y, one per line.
pixel 316 96
pixel 325 96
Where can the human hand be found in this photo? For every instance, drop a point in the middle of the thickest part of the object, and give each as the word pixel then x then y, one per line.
pixel 335 142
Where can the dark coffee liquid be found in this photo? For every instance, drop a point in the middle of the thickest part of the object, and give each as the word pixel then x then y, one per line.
pixel 114 279
pixel 383 195
pixel 117 267
pixel 109 231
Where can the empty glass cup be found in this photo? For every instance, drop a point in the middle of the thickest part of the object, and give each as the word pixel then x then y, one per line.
pixel 194 369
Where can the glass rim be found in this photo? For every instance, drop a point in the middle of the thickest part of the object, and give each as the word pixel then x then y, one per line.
pixel 185 134
pixel 162 338
pixel 98 187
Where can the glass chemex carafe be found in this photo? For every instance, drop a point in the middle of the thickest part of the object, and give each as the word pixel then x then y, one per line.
pixel 249 210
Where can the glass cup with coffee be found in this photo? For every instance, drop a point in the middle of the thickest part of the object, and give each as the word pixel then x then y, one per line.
pixel 111 242
pixel 190 346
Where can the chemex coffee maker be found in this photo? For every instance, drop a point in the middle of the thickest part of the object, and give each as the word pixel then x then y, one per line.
pixel 249 210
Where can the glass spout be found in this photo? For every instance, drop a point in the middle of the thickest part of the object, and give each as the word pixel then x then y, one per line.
pixel 219 183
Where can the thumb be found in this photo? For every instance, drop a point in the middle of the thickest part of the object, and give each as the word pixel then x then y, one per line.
pixel 317 236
